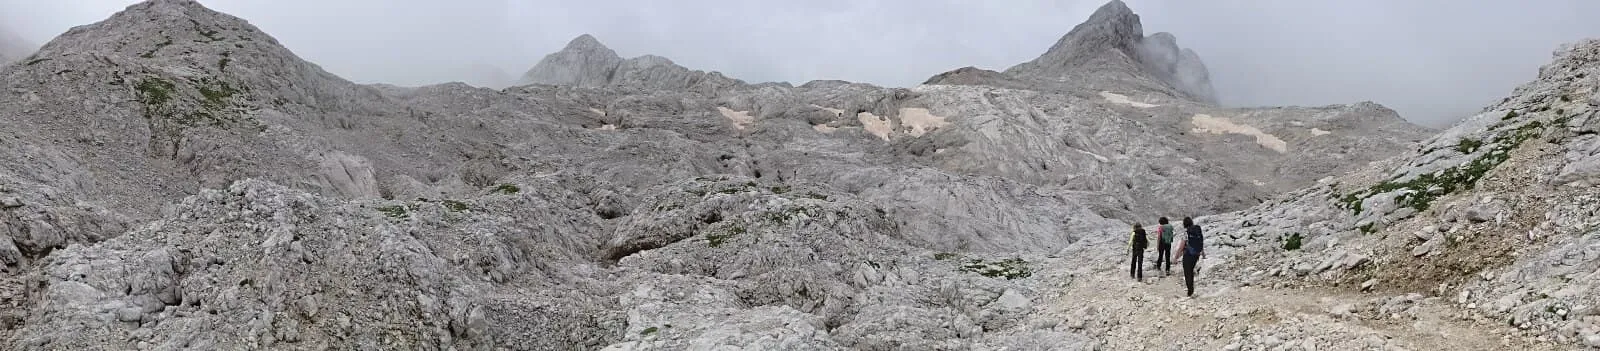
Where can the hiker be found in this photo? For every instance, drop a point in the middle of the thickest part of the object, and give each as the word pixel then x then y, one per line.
pixel 1139 242
pixel 1164 234
pixel 1193 249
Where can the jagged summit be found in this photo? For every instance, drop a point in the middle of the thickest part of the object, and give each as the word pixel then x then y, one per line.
pixel 1110 49
pixel 585 62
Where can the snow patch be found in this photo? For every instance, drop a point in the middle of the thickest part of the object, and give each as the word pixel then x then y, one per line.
pixel 1219 125
pixel 1123 99
pixel 918 121
pixel 878 126
pixel 741 119
pixel 1319 132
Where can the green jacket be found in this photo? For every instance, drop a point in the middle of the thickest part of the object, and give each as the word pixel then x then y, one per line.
pixel 1166 233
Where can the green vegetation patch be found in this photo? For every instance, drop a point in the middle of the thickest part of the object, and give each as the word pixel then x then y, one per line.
pixel 1421 191
pixel 1468 145
pixel 396 211
pixel 717 239
pixel 506 188
pixel 216 93
pixel 155 91
pixel 1292 242
pixel 1011 268
pixel 455 206
pixel 152 52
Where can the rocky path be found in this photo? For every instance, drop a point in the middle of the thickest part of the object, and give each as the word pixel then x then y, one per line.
pixel 1100 299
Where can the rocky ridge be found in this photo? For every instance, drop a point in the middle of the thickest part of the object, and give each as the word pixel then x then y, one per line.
pixel 585 62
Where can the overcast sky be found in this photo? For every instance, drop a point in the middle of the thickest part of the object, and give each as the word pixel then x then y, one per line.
pixel 1433 60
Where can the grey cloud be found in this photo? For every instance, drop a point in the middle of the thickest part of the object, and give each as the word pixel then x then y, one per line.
pixel 1433 60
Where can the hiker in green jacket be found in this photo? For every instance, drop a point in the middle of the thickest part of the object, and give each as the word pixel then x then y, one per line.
pixel 1138 242
pixel 1164 234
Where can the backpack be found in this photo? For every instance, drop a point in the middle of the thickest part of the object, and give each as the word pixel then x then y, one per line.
pixel 1166 233
pixel 1140 241
pixel 1195 242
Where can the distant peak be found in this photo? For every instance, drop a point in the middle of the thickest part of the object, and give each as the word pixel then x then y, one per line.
pixel 1110 48
pixel 1113 11
pixel 585 41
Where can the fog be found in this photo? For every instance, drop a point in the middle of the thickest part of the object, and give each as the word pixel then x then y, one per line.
pixel 1435 61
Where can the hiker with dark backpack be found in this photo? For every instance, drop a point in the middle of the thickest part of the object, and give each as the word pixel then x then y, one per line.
pixel 1193 249
pixel 1164 236
pixel 1139 242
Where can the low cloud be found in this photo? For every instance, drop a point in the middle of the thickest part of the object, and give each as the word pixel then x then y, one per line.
pixel 1434 61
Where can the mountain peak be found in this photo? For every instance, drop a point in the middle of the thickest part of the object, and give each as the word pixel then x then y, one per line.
pixel 186 45
pixel 585 62
pixel 1115 12
pixel 1110 47
pixel 583 42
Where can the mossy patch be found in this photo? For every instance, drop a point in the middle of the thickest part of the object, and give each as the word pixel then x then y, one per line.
pixel 152 52
pixel 216 94
pixel 155 91
pixel 506 189
pixel 455 206
pixel 396 211
pixel 719 238
pixel 1468 145
pixel 1292 242
pixel 1011 268
pixel 1420 191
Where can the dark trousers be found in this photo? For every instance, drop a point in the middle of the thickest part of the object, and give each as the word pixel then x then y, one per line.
pixel 1189 262
pixel 1137 269
pixel 1164 257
